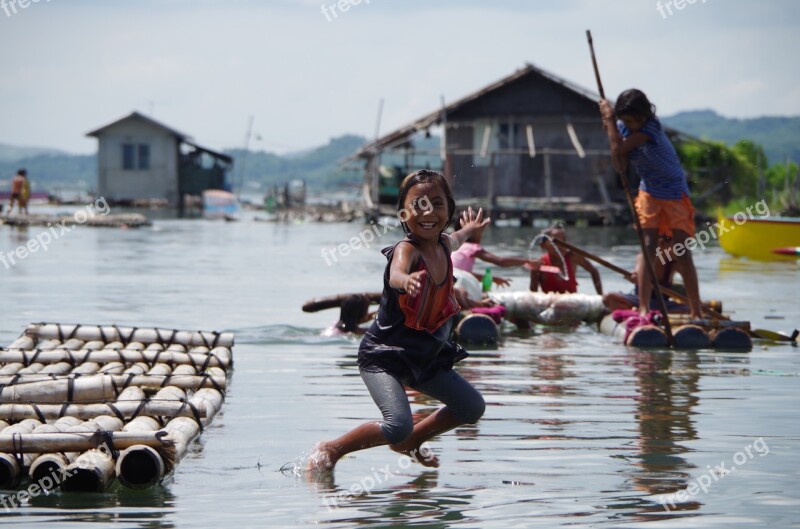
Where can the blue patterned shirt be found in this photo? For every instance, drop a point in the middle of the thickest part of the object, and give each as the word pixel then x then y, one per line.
pixel 657 163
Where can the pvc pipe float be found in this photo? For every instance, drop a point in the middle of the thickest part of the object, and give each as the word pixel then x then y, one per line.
pixel 141 466
pixel 71 388
pixel 10 469
pixel 92 471
pixel 56 463
pixel 127 334
pixel 46 465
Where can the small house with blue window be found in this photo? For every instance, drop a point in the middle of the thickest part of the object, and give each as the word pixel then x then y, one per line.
pixel 140 160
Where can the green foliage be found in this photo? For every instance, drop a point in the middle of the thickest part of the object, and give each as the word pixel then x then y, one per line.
pixel 751 153
pixel 728 177
pixel 717 173
pixel 779 136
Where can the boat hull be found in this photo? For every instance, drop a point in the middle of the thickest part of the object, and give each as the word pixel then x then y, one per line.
pixel 219 204
pixel 758 238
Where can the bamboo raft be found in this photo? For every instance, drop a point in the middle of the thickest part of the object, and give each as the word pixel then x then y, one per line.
pixel 81 405
pixel 706 334
pixel 118 220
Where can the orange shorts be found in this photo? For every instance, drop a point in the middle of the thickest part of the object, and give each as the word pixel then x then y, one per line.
pixel 665 215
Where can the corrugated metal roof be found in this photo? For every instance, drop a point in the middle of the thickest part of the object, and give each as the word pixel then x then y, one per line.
pixel 141 117
pixel 404 133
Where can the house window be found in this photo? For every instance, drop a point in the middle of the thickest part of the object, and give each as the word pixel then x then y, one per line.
pixel 128 157
pixel 135 156
pixel 144 156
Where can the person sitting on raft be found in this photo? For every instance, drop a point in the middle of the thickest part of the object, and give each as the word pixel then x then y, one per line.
pixel 464 262
pixel 665 272
pixel 666 276
pixel 548 281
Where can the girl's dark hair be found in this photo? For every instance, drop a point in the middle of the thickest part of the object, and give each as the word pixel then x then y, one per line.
pixel 354 310
pixel 633 102
pixel 425 176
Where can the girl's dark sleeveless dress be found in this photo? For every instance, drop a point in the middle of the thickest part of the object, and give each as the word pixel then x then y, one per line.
pixel 393 345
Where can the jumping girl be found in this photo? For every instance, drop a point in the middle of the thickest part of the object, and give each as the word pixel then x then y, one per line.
pixel 408 343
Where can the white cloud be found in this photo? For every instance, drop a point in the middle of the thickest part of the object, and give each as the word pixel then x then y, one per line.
pixel 205 66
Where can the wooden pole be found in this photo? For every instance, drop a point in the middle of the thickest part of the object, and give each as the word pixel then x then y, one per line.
pixel 79 441
pixel 548 185
pixel 637 222
pixel 490 186
pixel 628 275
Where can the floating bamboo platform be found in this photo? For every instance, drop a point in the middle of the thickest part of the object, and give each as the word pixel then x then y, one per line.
pixel 550 308
pixel 122 220
pixel 717 334
pixel 83 405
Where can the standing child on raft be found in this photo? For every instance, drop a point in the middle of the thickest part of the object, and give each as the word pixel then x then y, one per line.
pixel 663 203
pixel 408 343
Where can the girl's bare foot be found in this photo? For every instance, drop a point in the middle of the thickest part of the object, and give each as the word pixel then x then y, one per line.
pixel 322 458
pixel 419 453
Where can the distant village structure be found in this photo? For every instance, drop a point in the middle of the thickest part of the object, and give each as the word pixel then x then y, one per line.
pixel 142 161
pixel 528 146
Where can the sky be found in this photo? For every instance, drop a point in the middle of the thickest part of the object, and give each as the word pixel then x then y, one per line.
pixel 306 74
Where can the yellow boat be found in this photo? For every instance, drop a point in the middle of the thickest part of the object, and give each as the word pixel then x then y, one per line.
pixel 758 238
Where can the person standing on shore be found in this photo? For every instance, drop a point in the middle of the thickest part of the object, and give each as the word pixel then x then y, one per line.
pixel 20 191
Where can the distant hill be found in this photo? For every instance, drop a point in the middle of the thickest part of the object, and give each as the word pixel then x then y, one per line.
pixel 319 167
pixel 48 169
pixel 52 170
pixel 780 136
pixel 12 153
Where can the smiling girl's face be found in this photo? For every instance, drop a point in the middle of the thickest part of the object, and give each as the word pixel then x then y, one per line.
pixel 427 212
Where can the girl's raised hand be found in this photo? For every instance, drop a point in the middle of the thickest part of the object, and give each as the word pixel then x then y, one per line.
pixel 471 221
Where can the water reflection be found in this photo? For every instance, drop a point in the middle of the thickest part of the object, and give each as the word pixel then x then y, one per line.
pixel 667 393
pixel 135 508
pixel 415 503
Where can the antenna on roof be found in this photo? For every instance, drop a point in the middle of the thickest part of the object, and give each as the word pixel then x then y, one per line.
pixel 244 156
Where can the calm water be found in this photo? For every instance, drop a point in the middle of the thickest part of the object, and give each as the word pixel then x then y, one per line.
pixel 578 431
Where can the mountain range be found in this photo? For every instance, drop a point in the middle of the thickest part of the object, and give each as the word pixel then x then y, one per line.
pixel 780 136
pixel 321 168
